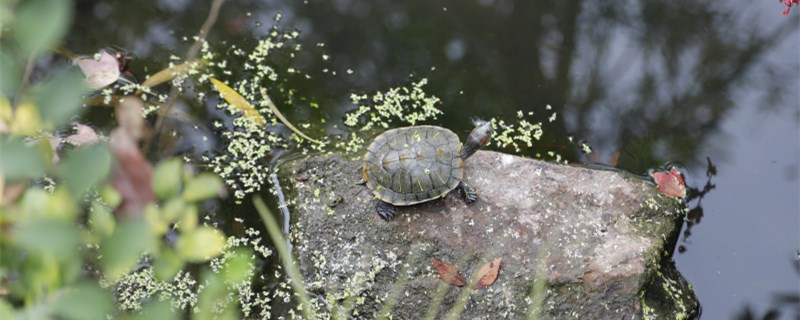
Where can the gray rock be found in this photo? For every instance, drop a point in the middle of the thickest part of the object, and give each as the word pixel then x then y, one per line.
pixel 574 242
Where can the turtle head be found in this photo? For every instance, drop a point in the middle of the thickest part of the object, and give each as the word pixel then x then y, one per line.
pixel 477 138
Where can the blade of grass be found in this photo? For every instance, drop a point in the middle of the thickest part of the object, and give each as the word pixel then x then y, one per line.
pixel 539 286
pixel 436 302
pixel 394 295
pixel 463 297
pixel 441 291
pixel 280 116
pixel 469 289
pixel 293 272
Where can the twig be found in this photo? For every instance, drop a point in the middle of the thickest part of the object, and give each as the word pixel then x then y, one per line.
pixel 290 266
pixel 190 56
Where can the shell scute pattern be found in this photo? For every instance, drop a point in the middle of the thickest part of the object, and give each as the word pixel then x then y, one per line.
pixel 406 166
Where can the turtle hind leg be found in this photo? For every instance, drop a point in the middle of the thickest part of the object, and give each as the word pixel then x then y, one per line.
pixel 470 195
pixel 385 210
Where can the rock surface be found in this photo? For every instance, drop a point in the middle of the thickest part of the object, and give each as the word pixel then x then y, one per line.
pixel 574 242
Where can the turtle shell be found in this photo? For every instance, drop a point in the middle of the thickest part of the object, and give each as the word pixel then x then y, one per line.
pixel 411 165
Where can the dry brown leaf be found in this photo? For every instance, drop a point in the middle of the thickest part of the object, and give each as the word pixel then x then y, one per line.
pixel 487 274
pixel 449 273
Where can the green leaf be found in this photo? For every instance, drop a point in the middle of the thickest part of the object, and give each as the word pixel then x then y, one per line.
pixel 239 266
pixel 200 245
pixel 6 310
pixel 167 178
pixel 10 74
pixel 40 24
pixel 110 196
pixel 213 296
pixel 34 203
pixel 60 204
pixel 84 301
pixel 188 222
pixel 59 97
pixel 157 309
pixel 122 250
pixel 202 187
pixel 53 237
pixel 101 219
pixel 173 210
pixel 19 161
pixel 85 167
pixel 167 265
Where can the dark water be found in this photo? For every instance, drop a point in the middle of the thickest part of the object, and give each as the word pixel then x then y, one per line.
pixel 710 84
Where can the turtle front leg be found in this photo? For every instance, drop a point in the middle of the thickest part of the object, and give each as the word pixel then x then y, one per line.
pixel 470 195
pixel 385 210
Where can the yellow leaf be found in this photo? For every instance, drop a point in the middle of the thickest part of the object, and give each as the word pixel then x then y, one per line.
pixel 26 120
pixel 202 244
pixel 170 73
pixel 239 102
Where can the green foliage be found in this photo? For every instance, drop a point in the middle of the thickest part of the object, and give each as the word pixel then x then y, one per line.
pixel 49 238
pixel 19 161
pixel 84 168
pixel 59 97
pixel 84 301
pixel 58 212
pixel 205 186
pixel 122 250
pixel 157 310
pixel 40 24
pixel 200 244
pixel 167 178
pixel 10 73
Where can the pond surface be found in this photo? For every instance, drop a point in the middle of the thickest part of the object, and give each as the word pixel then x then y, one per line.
pixel 712 85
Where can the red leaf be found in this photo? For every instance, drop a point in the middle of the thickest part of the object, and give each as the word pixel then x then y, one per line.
pixel 487 274
pixel 670 183
pixel 449 273
pixel 132 175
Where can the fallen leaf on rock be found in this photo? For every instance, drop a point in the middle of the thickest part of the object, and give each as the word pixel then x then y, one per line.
pixel 449 273
pixel 670 183
pixel 487 274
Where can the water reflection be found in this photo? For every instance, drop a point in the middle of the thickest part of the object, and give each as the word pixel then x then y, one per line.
pixel 650 81
pixel 695 213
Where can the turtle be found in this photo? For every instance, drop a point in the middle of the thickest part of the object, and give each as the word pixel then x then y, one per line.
pixel 412 165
